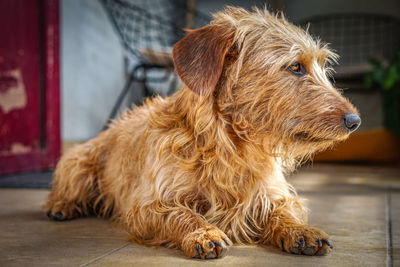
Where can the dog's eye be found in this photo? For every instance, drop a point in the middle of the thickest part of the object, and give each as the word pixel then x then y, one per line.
pixel 297 68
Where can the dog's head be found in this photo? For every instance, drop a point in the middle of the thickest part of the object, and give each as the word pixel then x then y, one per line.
pixel 269 80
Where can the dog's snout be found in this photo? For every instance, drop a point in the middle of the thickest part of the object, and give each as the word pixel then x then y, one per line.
pixel 351 121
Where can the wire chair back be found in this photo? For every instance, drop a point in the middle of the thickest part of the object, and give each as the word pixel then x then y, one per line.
pixel 357 38
pixel 149 28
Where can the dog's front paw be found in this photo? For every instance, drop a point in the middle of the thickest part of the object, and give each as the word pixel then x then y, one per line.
pixel 206 243
pixel 304 239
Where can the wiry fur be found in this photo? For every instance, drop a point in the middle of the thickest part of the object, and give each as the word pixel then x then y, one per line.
pixel 208 162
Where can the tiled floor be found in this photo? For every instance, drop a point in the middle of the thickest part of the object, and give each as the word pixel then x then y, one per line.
pixel 358 206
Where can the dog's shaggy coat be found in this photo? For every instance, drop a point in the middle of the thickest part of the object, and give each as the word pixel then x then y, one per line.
pixel 206 165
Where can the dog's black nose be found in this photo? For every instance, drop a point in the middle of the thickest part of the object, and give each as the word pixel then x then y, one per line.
pixel 351 121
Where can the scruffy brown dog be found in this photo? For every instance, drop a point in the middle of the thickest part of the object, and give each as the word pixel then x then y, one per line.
pixel 206 165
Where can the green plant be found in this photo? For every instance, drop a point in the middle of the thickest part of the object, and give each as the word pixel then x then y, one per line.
pixel 387 78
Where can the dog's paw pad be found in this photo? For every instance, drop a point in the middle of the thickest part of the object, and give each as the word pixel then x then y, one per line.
pixel 322 252
pixel 210 255
pixel 309 250
pixel 295 250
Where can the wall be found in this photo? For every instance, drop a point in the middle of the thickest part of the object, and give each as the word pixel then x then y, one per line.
pixel 211 6
pixel 296 10
pixel 92 71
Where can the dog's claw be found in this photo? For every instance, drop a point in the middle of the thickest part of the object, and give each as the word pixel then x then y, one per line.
pixel 227 242
pixel 302 242
pixel 58 216
pixel 222 250
pixel 199 249
pixel 283 249
pixel 212 245
pixel 319 243
pixel 328 243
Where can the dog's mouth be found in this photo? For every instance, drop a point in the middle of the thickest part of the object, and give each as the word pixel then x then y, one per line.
pixel 307 137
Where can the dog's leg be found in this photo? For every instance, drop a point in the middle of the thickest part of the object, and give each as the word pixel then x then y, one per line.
pixel 74 185
pixel 288 230
pixel 179 227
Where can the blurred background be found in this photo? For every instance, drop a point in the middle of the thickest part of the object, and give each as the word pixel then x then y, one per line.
pixel 68 66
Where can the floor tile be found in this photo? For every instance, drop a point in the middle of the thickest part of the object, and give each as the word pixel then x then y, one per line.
pixel 348 203
pixel 28 238
pixel 395 216
pixel 356 224
pixel 349 180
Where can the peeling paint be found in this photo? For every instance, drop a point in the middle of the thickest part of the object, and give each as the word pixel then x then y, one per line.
pixel 13 97
pixel 16 148
pixel 19 148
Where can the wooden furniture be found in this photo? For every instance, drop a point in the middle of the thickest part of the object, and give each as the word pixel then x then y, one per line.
pixel 378 146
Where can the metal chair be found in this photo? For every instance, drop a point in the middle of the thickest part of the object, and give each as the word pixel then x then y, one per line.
pixel 147 30
pixel 358 38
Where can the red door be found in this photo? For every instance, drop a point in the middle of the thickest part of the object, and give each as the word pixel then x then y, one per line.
pixel 29 85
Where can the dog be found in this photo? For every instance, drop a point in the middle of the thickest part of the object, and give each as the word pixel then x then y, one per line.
pixel 205 167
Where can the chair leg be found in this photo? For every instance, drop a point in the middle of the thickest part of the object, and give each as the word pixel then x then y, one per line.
pixel 118 103
pixel 146 90
pixel 172 86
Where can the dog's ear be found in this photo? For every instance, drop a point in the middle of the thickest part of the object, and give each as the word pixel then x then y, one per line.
pixel 199 57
